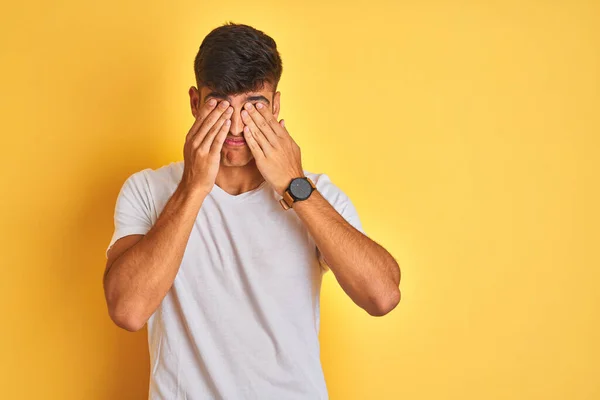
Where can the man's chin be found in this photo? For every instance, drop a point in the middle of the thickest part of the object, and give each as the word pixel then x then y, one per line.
pixel 236 161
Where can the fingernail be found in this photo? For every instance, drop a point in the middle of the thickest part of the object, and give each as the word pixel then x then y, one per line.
pixel 229 110
pixel 245 114
pixel 248 106
pixel 224 104
pixel 283 123
pixel 259 106
pixel 212 102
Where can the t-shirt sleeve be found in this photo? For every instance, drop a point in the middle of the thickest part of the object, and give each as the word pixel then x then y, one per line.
pixel 342 204
pixel 133 209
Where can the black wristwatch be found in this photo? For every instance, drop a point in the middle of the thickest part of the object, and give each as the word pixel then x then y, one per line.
pixel 299 189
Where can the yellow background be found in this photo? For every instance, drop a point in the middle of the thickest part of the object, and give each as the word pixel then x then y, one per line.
pixel 466 134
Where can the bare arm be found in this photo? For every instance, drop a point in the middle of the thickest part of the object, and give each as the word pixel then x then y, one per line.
pixel 141 269
pixel 364 269
pixel 137 278
pixel 368 274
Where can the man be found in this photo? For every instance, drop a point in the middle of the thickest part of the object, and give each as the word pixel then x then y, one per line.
pixel 222 254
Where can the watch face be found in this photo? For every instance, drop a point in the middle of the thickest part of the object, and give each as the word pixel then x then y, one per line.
pixel 300 188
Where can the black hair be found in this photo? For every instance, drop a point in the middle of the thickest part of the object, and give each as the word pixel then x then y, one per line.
pixel 237 58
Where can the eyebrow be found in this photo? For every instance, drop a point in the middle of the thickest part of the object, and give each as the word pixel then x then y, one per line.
pixel 225 97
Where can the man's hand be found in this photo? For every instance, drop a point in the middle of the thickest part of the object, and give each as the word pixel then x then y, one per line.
pixel 277 155
pixel 203 144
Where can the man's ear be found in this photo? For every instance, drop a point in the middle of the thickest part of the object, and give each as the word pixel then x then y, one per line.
pixel 194 101
pixel 276 104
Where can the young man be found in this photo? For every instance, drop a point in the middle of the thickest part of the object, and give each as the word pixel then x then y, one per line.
pixel 222 254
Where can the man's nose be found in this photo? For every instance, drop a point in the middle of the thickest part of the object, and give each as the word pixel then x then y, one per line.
pixel 237 125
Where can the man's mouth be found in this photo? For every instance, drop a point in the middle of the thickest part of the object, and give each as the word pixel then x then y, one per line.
pixel 235 141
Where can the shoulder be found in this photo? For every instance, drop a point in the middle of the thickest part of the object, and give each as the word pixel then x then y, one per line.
pixel 156 183
pixel 165 175
pixel 315 176
pixel 328 189
pixel 319 178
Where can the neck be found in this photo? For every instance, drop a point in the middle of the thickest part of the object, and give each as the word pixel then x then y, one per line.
pixel 237 180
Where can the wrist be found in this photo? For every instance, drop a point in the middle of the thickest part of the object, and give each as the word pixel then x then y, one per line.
pixel 283 189
pixel 192 191
pixel 298 191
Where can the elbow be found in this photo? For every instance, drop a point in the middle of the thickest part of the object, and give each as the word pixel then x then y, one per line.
pixel 125 312
pixel 126 316
pixel 128 321
pixel 385 304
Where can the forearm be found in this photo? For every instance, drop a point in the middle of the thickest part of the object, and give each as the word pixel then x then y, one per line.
pixel 365 270
pixel 140 278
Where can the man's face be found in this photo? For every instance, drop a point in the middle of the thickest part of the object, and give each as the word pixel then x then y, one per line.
pixel 235 155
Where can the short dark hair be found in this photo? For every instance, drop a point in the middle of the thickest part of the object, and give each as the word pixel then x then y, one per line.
pixel 237 58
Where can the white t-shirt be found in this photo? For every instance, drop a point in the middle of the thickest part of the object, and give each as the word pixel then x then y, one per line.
pixel 241 320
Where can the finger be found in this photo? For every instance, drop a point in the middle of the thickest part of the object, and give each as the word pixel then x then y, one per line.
pixel 255 148
pixel 251 129
pixel 210 120
pixel 217 144
pixel 205 109
pixel 270 119
pixel 210 136
pixel 262 124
